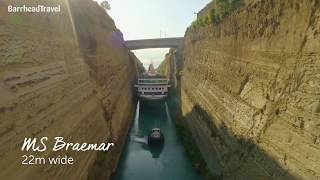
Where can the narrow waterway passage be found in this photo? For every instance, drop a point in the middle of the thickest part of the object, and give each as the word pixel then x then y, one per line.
pixel 140 162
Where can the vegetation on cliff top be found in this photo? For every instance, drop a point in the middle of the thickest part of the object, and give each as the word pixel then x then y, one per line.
pixel 220 10
pixel 105 5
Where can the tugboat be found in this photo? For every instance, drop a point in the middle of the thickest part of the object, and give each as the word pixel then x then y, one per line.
pixel 155 137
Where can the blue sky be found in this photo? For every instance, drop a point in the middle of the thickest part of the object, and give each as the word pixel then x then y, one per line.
pixel 141 19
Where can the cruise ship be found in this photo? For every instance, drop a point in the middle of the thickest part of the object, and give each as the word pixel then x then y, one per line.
pixel 152 86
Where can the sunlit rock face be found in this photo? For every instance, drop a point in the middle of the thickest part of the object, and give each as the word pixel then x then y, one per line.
pixel 169 66
pixel 250 90
pixel 65 74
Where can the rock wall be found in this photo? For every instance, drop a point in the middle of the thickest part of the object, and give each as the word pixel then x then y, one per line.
pixel 63 74
pixel 250 90
pixel 169 66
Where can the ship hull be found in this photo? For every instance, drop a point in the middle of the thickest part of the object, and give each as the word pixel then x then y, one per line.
pixel 153 97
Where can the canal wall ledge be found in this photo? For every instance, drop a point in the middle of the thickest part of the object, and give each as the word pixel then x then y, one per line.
pixel 250 90
pixel 65 74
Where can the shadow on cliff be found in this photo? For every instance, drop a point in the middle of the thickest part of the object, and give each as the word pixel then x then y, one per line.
pixel 241 158
pixel 191 146
pixel 228 156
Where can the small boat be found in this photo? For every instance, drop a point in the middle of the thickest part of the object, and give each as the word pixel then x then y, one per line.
pixel 155 137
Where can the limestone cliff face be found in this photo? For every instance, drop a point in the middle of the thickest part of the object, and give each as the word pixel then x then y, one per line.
pixel 65 74
pixel 169 66
pixel 250 90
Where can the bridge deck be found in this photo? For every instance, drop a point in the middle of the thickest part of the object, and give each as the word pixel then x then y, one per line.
pixel 155 43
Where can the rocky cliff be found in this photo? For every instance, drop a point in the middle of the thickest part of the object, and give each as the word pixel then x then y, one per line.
pixel 168 66
pixel 250 90
pixel 63 74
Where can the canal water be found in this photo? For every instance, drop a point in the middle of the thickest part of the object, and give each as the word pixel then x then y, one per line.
pixel 141 162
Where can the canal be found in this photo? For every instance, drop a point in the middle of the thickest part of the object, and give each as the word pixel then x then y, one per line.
pixel 139 161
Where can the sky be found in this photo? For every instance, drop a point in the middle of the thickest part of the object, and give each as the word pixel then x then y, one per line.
pixel 144 19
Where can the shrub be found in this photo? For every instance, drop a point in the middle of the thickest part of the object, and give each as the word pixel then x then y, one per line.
pixel 201 22
pixel 223 8
pixel 236 4
pixel 206 20
pixel 214 17
pixel 105 5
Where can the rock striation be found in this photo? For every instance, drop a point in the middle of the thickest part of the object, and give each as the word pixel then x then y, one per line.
pixel 63 74
pixel 250 90
pixel 169 66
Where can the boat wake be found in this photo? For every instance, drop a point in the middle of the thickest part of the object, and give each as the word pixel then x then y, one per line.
pixel 142 140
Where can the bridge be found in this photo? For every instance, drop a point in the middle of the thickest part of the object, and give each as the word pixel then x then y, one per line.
pixel 155 43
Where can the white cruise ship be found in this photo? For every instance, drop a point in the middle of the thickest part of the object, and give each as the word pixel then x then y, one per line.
pixel 152 86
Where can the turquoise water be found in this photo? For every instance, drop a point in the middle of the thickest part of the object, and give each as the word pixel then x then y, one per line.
pixel 139 161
